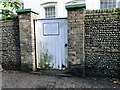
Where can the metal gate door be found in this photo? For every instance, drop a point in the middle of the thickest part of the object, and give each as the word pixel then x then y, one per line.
pixel 51 43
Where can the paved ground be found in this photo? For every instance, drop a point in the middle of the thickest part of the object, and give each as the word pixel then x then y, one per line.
pixel 15 79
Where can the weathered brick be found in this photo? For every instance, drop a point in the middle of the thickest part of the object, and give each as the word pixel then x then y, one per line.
pixel 75 37
pixel 27 43
pixel 102 43
pixel 10 44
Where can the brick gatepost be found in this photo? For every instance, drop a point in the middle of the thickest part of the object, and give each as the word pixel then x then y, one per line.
pixel 27 39
pixel 76 38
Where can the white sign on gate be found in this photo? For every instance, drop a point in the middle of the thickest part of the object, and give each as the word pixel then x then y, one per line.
pixel 50 29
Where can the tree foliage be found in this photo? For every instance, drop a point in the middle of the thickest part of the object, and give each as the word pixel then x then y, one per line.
pixel 9 8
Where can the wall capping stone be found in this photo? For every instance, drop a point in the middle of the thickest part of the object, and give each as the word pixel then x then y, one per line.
pixel 26 10
pixel 75 6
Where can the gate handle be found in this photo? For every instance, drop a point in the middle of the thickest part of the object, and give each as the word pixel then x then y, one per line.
pixel 66 45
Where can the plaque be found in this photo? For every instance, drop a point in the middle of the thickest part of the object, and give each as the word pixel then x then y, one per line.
pixel 50 29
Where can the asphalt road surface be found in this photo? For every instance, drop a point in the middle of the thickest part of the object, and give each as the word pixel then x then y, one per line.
pixel 17 79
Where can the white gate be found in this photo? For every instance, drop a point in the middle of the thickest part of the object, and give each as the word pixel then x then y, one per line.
pixel 51 43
